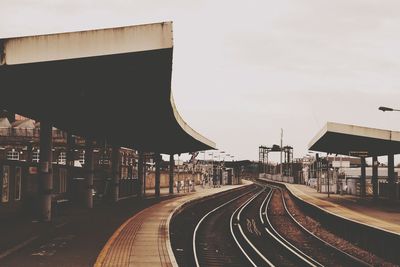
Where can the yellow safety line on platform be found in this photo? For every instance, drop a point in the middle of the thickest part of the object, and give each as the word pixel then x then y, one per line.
pixel 100 259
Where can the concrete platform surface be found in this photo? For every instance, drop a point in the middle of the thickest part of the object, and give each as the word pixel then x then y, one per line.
pixel 143 240
pixel 380 213
pixel 74 237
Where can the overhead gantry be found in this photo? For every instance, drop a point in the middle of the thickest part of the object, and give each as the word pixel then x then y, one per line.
pixel 77 81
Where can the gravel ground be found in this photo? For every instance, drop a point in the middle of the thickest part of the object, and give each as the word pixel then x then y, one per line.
pixel 316 228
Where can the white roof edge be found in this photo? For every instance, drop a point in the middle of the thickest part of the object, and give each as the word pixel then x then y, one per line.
pixel 363 131
pixel 189 130
pixel 355 130
pixel 70 45
pixel 318 135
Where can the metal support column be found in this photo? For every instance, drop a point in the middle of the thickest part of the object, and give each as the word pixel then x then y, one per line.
pixel 70 160
pixel 89 169
pixel 171 173
pixel 391 184
pixel 115 172
pixel 46 171
pixel 144 174
pixel 220 175
pixel 375 176
pixel 363 178
pixel 157 174
pixel 140 175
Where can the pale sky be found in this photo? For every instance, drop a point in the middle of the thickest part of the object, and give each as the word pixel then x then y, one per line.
pixel 244 69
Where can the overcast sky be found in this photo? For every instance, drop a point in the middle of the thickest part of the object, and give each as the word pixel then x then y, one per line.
pixel 244 69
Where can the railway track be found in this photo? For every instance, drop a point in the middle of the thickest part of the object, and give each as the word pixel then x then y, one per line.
pixel 256 228
pixel 296 239
pixel 212 242
pixel 183 225
pixel 246 232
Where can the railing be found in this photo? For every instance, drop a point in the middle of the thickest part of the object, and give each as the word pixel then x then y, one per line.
pixel 26 132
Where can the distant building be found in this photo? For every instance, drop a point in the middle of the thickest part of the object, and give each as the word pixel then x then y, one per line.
pixel 343 173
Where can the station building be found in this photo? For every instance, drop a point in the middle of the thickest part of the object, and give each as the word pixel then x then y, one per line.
pixel 344 173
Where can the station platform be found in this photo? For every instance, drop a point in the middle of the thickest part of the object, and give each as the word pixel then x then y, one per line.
pixel 75 235
pixel 381 213
pixel 143 240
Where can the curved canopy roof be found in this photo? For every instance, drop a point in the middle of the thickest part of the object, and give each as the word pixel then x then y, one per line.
pixel 112 84
pixel 355 140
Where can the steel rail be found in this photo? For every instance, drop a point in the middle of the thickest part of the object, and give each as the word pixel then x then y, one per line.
pixel 303 257
pixel 204 217
pixel 238 212
pixel 345 254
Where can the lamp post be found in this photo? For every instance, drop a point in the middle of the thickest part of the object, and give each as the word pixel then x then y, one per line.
pixel 220 167
pixel 204 161
pixel 215 183
pixel 327 173
pixel 212 168
pixel 234 168
pixel 388 109
pixel 219 155
pixel 391 177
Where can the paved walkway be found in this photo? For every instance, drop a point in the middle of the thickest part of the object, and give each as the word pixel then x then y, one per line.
pixel 381 213
pixel 143 240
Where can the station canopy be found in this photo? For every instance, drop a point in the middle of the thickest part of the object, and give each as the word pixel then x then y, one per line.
pixel 355 140
pixel 108 84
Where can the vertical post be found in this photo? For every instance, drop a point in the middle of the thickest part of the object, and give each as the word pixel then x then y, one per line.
pixel 29 151
pixel 46 172
pixel 144 175
pixel 89 168
pixel 70 160
pixel 265 167
pixel 140 175
pixel 157 174
pixel 260 161
pixel 281 149
pixel 363 178
pixel 219 173
pixel 327 174
pixel 340 169
pixel 291 163
pixel 115 172
pixel 214 172
pixel 375 176
pixel 171 173
pixel 391 184
pixel 319 167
